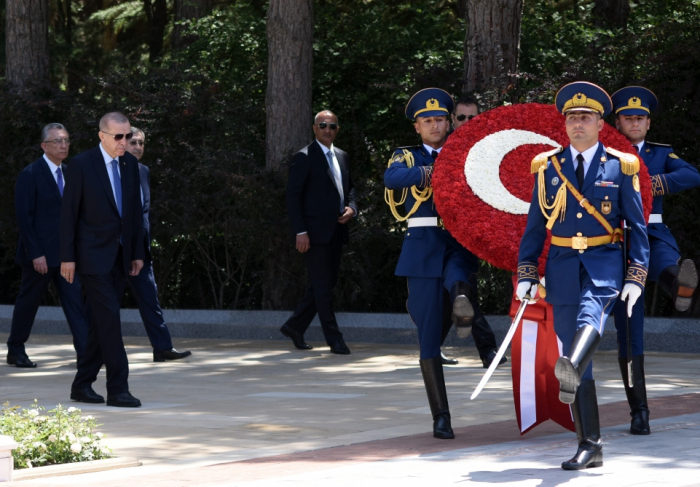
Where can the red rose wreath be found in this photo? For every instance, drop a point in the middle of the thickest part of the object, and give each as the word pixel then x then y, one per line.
pixel 482 181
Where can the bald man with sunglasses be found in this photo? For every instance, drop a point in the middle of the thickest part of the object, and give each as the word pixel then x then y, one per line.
pixel 101 239
pixel 321 201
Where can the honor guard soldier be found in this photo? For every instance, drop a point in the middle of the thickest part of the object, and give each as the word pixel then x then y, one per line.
pixel 669 174
pixel 430 257
pixel 582 193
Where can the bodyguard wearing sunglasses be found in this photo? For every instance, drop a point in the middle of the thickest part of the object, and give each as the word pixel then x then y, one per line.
pixel 465 109
pixel 321 201
pixel 101 239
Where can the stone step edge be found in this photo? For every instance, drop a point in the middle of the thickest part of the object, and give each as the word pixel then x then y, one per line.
pixel 75 468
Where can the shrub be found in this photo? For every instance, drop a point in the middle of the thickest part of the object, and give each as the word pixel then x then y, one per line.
pixel 61 436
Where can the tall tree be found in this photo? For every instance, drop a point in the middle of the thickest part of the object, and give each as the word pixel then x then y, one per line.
pixel 188 10
pixel 26 42
pixel 288 99
pixel 492 44
pixel 611 14
pixel 157 16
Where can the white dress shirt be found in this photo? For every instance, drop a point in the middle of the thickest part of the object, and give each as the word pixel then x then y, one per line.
pixel 53 168
pixel 587 157
pixel 639 146
pixel 335 170
pixel 108 161
pixel 430 149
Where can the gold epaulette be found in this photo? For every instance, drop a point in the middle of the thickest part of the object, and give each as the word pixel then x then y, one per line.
pixel 541 159
pixel 629 163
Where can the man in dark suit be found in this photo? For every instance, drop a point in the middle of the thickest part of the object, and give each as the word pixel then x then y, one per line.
pixel 38 206
pixel 321 201
pixel 102 240
pixel 144 284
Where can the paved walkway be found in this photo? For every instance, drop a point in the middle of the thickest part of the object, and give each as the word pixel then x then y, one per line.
pixel 261 413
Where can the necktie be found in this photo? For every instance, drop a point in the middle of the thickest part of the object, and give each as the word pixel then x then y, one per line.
pixel 335 170
pixel 434 154
pixel 636 148
pixel 579 170
pixel 117 185
pixel 59 180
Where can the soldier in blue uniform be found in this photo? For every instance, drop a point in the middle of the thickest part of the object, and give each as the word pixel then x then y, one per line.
pixel 430 257
pixel 669 174
pixel 581 194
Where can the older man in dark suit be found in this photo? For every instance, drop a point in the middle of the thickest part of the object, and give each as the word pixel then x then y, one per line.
pixel 102 240
pixel 321 201
pixel 143 285
pixel 38 200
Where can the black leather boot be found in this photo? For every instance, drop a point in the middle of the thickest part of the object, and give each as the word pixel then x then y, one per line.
pixel 462 309
pixel 587 422
pixel 637 395
pixel 680 281
pixel 437 397
pixel 570 369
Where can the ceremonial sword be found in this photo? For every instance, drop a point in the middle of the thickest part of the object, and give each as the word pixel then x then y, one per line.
pixel 506 341
pixel 628 324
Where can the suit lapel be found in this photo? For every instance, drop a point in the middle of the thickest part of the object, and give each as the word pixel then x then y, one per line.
pixel 145 188
pixel 593 169
pixel 48 177
pixel 102 176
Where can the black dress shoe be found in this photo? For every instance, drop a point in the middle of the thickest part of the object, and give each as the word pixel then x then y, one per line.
pixel 123 400
pixel 340 348
pixel 172 354
pixel 86 395
pixel 489 358
pixel 447 361
pixel 21 361
pixel 297 339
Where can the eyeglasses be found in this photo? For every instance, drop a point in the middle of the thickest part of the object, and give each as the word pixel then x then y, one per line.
pixel 119 137
pixel 461 117
pixel 58 141
pixel 135 142
pixel 332 126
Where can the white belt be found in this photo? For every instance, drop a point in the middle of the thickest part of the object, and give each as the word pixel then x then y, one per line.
pixel 426 221
pixel 655 218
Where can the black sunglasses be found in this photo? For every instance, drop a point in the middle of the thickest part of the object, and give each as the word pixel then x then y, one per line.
pixel 462 116
pixel 332 126
pixel 119 137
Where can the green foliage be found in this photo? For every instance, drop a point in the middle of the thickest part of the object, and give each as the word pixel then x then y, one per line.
pixel 60 436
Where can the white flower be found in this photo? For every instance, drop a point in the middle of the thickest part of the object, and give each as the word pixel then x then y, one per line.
pixel 71 437
pixel 72 409
pixel 33 412
pixel 28 438
pixel 52 438
pixel 85 439
pixel 88 418
pixel 29 464
pixel 99 435
pixel 40 419
pixel 76 447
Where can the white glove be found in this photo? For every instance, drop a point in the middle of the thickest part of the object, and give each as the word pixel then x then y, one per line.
pixel 526 288
pixel 631 293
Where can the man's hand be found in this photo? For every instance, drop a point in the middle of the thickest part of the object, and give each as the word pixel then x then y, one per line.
pixel 303 243
pixel 631 293
pixel 346 216
pixel 40 265
pixel 136 266
pixel 525 288
pixel 68 271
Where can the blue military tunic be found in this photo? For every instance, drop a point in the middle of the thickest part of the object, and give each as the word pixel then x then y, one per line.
pixel 430 257
pixel 583 283
pixel 669 174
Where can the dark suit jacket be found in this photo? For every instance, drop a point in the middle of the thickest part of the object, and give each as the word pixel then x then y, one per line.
pixel 145 180
pixel 312 199
pixel 91 228
pixel 38 209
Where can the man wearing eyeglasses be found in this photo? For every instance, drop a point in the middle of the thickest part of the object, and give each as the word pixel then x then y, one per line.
pixel 38 199
pixel 101 239
pixel 321 201
pixel 466 108
pixel 143 285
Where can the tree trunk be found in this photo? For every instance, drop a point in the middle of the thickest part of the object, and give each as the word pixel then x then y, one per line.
pixel 288 98
pixel 492 44
pixel 26 42
pixel 157 16
pixel 188 10
pixel 611 14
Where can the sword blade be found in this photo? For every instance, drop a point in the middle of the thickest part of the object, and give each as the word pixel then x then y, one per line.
pixel 504 347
